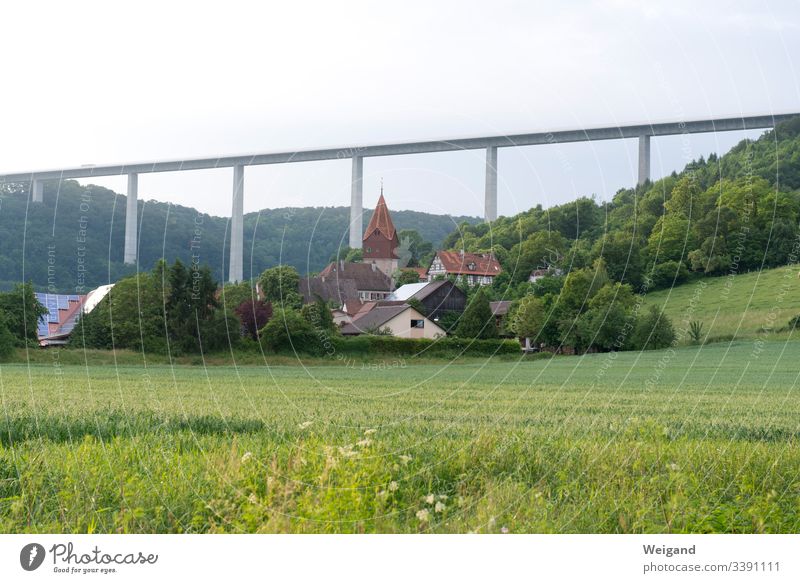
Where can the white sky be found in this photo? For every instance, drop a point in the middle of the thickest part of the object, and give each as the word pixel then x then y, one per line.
pixel 112 82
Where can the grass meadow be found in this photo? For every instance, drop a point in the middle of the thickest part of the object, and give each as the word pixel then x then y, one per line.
pixel 746 305
pixel 696 439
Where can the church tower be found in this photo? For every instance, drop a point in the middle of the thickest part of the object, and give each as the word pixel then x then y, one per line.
pixel 380 241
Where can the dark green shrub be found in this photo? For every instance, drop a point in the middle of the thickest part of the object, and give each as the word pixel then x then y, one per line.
pixel 668 274
pixel 653 330
pixel 288 331
pixel 7 341
pixel 478 320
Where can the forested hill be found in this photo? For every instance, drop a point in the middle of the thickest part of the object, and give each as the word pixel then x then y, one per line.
pixel 78 233
pixel 728 214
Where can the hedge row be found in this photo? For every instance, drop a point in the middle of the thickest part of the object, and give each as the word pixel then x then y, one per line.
pixel 441 347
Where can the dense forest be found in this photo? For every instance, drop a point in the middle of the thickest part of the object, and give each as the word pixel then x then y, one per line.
pixel 734 213
pixel 75 238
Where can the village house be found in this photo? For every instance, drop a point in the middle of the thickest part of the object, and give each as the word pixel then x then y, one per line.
pixel 400 320
pixel 538 274
pixel 473 268
pixel 366 279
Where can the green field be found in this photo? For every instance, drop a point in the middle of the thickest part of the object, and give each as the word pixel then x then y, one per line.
pixel 701 439
pixel 748 305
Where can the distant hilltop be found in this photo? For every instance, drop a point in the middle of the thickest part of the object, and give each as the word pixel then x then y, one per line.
pixel 304 238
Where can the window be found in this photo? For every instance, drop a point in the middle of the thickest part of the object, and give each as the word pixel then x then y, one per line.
pixel 417 323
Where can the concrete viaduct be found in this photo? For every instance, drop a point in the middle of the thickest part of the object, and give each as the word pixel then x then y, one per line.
pixel 642 132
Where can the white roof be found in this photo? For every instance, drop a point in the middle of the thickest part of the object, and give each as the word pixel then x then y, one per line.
pixel 93 297
pixel 406 291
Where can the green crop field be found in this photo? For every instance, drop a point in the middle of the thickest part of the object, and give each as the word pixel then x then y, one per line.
pixel 699 439
pixel 747 305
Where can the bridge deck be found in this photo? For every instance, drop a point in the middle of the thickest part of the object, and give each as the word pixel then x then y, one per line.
pixel 539 138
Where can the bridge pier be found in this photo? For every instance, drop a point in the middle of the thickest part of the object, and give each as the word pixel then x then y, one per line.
pixel 644 159
pixel 490 194
pixel 235 267
pixel 356 202
pixel 37 190
pixel 132 220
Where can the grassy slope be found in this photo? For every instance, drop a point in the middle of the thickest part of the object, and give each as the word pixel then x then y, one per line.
pixel 700 439
pixel 740 306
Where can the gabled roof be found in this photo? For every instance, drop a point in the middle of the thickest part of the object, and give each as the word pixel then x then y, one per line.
pixel 500 308
pixel 367 276
pixel 334 289
pixel 374 318
pixel 381 221
pixel 62 314
pixel 461 263
pixel 432 287
pixel 407 291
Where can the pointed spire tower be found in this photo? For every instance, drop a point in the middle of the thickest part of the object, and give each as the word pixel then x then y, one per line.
pixel 380 241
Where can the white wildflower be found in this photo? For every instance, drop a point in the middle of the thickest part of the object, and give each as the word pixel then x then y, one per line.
pixel 504 530
pixel 370 431
pixel 430 498
pixel 393 486
pixel 442 496
pixel 405 459
pixel 440 507
pixel 364 443
pixel 252 499
pixel 247 455
pixel 305 424
pixel 423 515
pixel 674 467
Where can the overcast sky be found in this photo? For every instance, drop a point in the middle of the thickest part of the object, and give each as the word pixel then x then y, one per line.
pixel 95 83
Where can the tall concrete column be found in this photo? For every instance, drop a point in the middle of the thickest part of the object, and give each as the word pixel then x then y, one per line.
pixel 132 220
pixel 356 202
pixel 644 159
pixel 37 191
pixel 235 268
pixel 490 202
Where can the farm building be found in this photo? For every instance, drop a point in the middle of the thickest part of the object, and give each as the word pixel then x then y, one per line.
pixel 63 311
pixel 500 311
pixel 437 297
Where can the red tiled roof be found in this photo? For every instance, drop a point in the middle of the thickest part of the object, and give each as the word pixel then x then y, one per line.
pixel 421 271
pixel 469 263
pixel 380 221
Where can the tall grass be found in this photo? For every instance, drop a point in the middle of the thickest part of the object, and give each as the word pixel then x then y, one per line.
pixel 704 439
